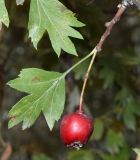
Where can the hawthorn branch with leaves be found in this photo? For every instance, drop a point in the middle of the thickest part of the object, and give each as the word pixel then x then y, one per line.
pixel 45 89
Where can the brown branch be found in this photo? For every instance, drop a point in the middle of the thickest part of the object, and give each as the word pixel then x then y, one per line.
pixel 7 152
pixel 7 148
pixel 109 26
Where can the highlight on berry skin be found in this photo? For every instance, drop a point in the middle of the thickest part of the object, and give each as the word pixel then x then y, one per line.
pixel 76 129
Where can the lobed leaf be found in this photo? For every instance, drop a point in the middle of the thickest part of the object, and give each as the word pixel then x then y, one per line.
pixel 53 16
pixel 46 94
pixel 3 14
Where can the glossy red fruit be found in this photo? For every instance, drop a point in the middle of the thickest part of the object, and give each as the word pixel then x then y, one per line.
pixel 75 129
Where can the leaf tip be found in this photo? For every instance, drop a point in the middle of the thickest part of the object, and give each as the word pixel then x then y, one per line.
pixel 8 83
pixel 136 150
pixel 50 126
pixel 10 124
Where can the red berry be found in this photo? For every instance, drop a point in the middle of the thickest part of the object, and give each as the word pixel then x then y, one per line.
pixel 75 129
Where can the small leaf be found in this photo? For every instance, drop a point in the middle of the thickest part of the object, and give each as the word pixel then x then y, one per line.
pixel 53 16
pixel 130 111
pixel 108 75
pixel 47 95
pixel 124 154
pixel 98 129
pixel 137 150
pixel 3 13
pixel 20 2
pixel 114 141
pixel 129 119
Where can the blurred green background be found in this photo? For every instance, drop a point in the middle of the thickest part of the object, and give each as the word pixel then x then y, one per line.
pixel 112 96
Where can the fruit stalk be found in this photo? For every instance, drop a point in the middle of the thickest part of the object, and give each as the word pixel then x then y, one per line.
pixel 85 81
pixel 109 26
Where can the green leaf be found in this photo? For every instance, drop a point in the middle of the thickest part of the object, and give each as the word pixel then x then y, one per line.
pixel 131 60
pixel 114 141
pixel 131 107
pixel 98 129
pixel 53 16
pixel 129 119
pixel 130 111
pixel 108 75
pixel 20 2
pixel 46 94
pixel 40 157
pixel 3 14
pixel 122 155
pixel 137 151
pixel 81 155
pixel 135 107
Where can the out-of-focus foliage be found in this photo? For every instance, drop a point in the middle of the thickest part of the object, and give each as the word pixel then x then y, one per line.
pixel 114 141
pixel 81 155
pixel 98 129
pixel 40 157
pixel 122 155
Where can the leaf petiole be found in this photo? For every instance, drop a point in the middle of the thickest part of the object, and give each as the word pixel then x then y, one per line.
pixel 94 51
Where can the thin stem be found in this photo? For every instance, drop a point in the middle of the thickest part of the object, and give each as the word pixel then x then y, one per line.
pixel 85 81
pixel 109 27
